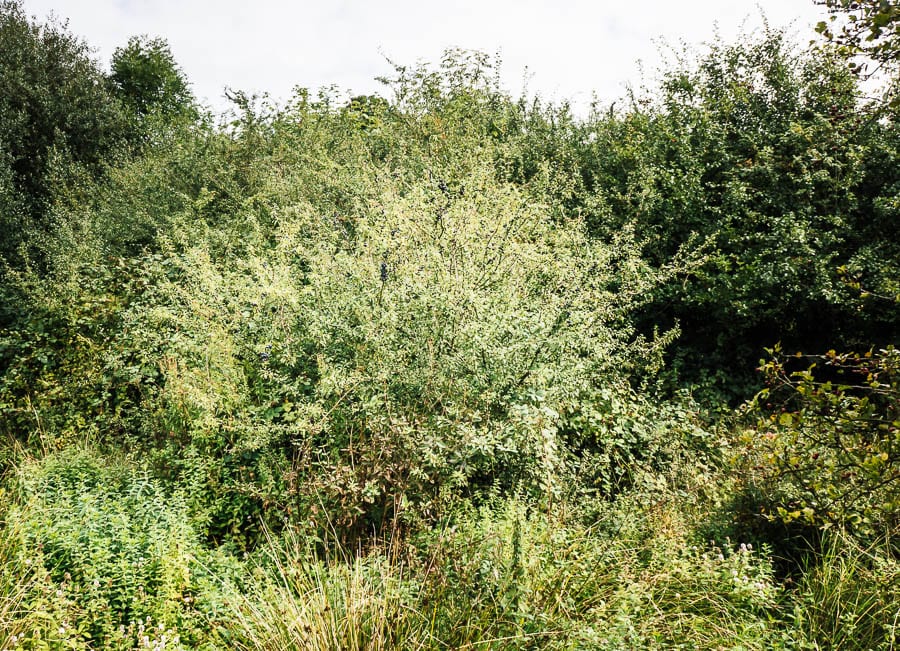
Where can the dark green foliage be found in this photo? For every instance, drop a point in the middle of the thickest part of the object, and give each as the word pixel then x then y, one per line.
pixel 148 80
pixel 58 121
pixel 759 153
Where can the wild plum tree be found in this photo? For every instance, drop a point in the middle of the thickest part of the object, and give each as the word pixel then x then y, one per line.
pixel 870 28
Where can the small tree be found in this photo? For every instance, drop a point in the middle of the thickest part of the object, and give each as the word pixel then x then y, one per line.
pixel 148 79
pixel 829 436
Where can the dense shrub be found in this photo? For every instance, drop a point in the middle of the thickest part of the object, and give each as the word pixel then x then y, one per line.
pixel 432 349
pixel 59 123
pixel 765 153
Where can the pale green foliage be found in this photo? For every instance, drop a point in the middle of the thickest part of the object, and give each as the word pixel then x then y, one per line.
pixel 99 554
pixel 870 28
pixel 429 344
pixel 15 584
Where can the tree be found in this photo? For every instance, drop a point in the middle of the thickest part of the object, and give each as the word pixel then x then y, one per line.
pixel 827 439
pixel 148 80
pixel 760 151
pixel 58 120
pixel 870 28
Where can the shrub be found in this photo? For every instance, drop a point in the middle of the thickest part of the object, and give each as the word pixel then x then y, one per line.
pixel 431 348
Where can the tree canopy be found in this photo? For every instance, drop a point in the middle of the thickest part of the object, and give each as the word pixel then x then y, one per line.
pixel 147 78
pixel 58 119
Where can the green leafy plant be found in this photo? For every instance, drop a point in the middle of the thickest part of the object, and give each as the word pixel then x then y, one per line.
pixel 833 440
pixel 148 79
pixel 102 555
pixel 867 27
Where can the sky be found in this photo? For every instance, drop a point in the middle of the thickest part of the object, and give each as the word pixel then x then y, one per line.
pixel 562 49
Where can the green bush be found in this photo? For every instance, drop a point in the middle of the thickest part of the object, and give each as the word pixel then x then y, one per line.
pixel 59 123
pixel 432 349
pixel 760 150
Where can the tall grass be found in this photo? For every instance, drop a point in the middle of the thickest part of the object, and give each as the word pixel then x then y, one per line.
pixel 849 597
pixel 294 601
pixel 507 575
pixel 16 584
pixel 507 579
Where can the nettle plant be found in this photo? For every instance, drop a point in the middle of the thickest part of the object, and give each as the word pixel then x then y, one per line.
pixel 431 343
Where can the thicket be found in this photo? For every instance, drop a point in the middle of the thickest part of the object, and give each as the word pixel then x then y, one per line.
pixel 446 368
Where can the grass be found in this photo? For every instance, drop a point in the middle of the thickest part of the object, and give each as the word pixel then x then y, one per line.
pixel 501 576
pixel 16 585
pixel 507 579
pixel 849 597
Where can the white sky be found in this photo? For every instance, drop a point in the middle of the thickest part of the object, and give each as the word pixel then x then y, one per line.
pixel 570 48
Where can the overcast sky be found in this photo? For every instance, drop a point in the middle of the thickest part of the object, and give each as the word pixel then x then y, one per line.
pixel 570 48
